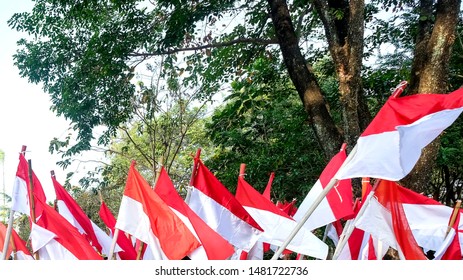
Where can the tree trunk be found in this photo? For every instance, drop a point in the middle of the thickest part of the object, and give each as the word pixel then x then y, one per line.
pixel 304 80
pixel 430 72
pixel 345 35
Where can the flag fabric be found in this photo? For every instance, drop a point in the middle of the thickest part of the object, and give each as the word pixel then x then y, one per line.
pixel 268 189
pixel 54 238
pixel 334 231
pixel 214 246
pixel 128 251
pixel 428 218
pixel 288 207
pixel 2 240
pixel 338 202
pixel 74 214
pixel 22 252
pixel 391 145
pixel 386 220
pixel 277 224
pixel 215 205
pixel 21 198
pixel 145 216
pixel 360 245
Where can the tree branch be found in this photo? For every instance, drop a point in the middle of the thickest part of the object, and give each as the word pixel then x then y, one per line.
pixel 209 46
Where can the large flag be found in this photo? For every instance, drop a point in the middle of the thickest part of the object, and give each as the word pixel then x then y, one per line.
pixel 277 224
pixel 391 145
pixel 338 202
pixel 211 201
pixel 214 246
pixel 145 216
pixel 128 251
pixel 54 238
pixel 74 214
pixel 21 187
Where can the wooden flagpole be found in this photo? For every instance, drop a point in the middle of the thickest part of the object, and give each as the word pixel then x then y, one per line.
pixel 312 208
pixel 453 218
pixel 113 244
pixel 10 223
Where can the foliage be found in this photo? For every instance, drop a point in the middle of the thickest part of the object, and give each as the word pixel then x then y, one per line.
pixel 261 126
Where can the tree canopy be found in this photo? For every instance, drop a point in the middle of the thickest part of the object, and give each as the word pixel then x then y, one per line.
pixel 87 54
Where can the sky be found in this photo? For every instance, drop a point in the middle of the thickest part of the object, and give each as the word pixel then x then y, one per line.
pixel 25 115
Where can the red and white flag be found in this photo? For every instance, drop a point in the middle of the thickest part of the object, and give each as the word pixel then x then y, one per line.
pixel 214 246
pixel 451 249
pixel 277 224
pixel 2 241
pixel 54 238
pixel 128 251
pixel 211 201
pixel 145 216
pixel 360 245
pixel 391 145
pixel 22 252
pixel 20 198
pixel 74 214
pixel 337 204
pixel 386 220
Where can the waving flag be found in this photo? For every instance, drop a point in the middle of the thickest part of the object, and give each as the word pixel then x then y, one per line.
pixel 54 238
pixel 74 214
pixel 337 204
pixel 146 217
pixel 20 199
pixel 211 201
pixel 391 145
pixel 386 219
pixel 22 252
pixel 214 246
pixel 277 224
pixel 128 251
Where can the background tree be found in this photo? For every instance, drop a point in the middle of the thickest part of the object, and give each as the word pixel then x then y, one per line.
pixel 87 70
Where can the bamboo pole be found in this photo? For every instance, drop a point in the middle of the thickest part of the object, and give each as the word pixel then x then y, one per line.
pixel 113 244
pixel 453 218
pixel 140 250
pixel 312 208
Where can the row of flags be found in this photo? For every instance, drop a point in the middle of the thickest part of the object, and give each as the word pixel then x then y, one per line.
pixel 155 222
